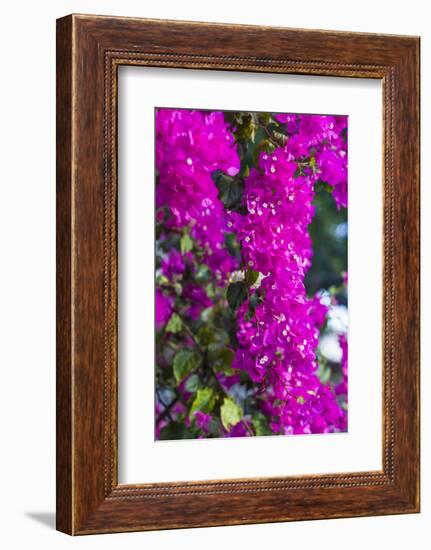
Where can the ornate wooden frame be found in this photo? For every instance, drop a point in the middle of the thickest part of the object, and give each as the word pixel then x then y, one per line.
pixel 89 51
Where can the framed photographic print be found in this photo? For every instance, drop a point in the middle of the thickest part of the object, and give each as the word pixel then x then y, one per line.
pixel 237 274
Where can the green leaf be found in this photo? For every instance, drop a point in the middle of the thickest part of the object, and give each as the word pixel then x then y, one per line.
pixel 214 426
pixel 251 132
pixel 206 314
pixel 230 190
pixel 173 430
pixel 162 280
pixel 254 301
pixel 245 127
pixel 218 345
pixel 280 138
pixel 265 118
pixel 236 294
pixel 325 376
pixel 185 361
pixel 260 424
pixel 205 336
pixel 204 401
pixel 174 324
pixel 192 383
pixel 220 336
pixel 231 413
pixel 203 274
pixel 232 244
pixel 210 290
pixel 178 288
pixel 186 243
pixel 176 430
pixel 251 277
pixel 224 361
pixel 213 338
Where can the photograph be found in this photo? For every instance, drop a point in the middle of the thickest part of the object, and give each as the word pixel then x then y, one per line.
pixel 251 275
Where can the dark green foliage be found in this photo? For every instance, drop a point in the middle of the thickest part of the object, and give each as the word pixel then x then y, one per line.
pixel 236 294
pixel 329 235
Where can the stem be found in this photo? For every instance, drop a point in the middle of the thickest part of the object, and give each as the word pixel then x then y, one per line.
pixel 268 134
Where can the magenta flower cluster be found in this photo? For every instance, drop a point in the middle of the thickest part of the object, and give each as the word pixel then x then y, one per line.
pixel 278 342
pixel 190 146
pixel 278 326
pixel 325 137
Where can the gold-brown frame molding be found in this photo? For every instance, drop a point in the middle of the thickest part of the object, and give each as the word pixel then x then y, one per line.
pixel 89 51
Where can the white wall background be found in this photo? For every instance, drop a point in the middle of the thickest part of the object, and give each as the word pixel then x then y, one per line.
pixel 27 279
